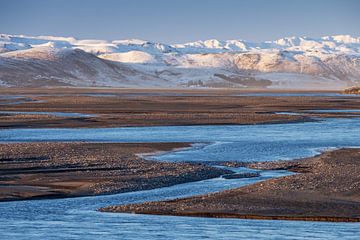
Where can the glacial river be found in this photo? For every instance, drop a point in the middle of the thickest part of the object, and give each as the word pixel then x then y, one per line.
pixel 77 218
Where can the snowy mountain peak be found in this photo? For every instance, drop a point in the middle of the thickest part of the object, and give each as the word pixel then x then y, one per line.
pixel 326 44
pixel 346 39
pixel 292 62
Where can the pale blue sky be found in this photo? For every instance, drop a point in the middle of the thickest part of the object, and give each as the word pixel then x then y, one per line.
pixel 171 21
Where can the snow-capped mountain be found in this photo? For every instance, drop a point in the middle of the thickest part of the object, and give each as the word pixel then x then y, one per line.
pixel 330 62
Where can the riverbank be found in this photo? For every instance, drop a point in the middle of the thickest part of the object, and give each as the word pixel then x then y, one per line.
pixel 159 107
pixel 59 170
pixel 325 188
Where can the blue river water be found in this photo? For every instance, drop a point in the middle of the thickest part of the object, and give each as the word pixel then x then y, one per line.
pixel 225 142
pixel 77 218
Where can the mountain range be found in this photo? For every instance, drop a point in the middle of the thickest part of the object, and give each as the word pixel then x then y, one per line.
pixel 330 62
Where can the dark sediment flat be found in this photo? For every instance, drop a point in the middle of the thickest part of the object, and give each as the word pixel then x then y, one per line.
pixel 56 170
pixel 155 107
pixel 325 188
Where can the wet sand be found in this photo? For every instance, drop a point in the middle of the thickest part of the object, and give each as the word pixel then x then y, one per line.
pixel 159 107
pixel 57 170
pixel 325 188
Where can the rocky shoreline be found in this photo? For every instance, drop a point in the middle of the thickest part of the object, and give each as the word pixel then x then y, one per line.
pixel 58 170
pixel 325 188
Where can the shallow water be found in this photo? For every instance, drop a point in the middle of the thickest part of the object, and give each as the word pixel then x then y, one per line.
pixel 226 142
pixel 198 94
pixel 76 218
pixel 10 97
pixel 335 111
pixel 57 114
pixel 15 100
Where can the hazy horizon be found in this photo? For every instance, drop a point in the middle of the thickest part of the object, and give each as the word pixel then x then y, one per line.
pixel 68 36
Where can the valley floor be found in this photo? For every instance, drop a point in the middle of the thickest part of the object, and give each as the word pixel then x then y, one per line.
pixel 325 188
pixel 159 107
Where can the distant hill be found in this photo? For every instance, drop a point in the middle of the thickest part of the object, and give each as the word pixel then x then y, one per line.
pixel 352 90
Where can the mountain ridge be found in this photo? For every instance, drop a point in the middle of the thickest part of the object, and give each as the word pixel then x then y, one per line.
pixel 329 62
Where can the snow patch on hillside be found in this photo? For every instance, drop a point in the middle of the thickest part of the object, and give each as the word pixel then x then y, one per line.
pixel 130 57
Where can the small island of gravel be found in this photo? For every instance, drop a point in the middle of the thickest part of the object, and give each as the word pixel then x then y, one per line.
pixel 325 188
pixel 56 170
